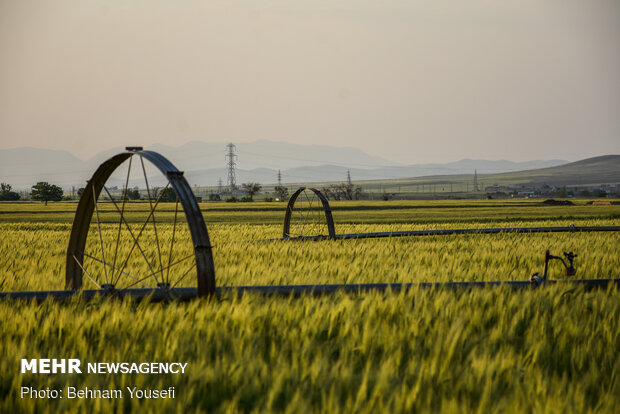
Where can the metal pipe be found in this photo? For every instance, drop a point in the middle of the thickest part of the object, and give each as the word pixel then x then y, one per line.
pixel 444 232
pixel 188 293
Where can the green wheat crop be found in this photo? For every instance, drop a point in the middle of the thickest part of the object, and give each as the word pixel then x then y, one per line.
pixel 550 350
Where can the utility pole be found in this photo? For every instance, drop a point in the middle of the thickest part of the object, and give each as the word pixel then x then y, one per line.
pixel 230 158
pixel 476 189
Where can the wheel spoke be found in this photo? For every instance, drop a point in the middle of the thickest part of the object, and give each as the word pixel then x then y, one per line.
pixel 136 282
pixel 319 217
pixel 307 215
pixel 148 192
pixel 184 274
pixel 107 264
pixel 308 219
pixel 140 232
pixel 132 235
pixel 307 208
pixel 167 267
pixel 189 256
pixel 310 222
pixel 174 228
pixel 105 270
pixel 120 221
pixel 154 245
pixel 86 272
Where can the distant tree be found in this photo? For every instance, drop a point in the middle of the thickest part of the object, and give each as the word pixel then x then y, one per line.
pixel 343 192
pixel 332 192
pixel 133 194
pixel 6 194
pixel 251 189
pixel 170 196
pixel 44 191
pixel 215 197
pixel 357 193
pixel 560 192
pixel 281 192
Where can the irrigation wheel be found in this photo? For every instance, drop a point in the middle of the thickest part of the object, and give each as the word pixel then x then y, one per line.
pixel 118 244
pixel 308 215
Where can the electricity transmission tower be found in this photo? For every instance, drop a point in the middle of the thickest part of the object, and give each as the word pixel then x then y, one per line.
pixel 219 186
pixel 349 178
pixel 279 179
pixel 230 159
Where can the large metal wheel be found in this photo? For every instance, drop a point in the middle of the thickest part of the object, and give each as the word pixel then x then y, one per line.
pixel 308 215
pixel 118 244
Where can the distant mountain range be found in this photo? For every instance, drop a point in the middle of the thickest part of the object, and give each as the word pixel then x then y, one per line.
pixel 204 164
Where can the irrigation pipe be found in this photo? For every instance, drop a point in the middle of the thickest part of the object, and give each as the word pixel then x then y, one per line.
pixel 183 294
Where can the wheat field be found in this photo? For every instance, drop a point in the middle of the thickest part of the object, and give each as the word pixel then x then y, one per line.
pixel 550 350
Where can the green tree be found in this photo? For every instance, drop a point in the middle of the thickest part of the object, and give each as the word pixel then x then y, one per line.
pixel 170 196
pixel 44 191
pixel 6 194
pixel 251 189
pixel 343 192
pixel 281 192
pixel 133 194
pixel 561 192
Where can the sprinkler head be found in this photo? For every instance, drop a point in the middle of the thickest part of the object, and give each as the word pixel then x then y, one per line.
pixel 570 271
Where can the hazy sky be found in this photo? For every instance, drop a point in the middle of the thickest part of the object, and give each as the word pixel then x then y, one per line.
pixel 413 81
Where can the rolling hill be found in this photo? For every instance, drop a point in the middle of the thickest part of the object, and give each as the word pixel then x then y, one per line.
pixel 259 161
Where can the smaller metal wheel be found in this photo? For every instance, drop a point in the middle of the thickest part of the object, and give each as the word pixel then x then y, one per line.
pixel 308 215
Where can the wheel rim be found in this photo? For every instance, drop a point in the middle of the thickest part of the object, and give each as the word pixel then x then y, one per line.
pixel 116 244
pixel 308 214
